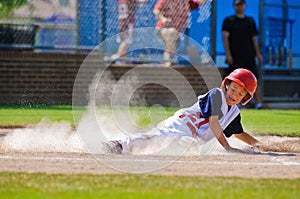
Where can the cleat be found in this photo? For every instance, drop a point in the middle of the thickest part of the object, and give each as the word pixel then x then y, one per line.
pixel 113 147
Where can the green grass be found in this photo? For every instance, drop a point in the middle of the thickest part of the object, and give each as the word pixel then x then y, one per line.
pixel 25 185
pixel 23 116
pixel 272 122
pixel 262 122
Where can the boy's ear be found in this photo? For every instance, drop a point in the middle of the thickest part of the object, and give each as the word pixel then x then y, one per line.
pixel 227 83
pixel 226 86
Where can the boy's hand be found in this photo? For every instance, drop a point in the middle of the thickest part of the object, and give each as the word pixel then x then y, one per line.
pixel 252 150
pixel 234 150
pixel 258 146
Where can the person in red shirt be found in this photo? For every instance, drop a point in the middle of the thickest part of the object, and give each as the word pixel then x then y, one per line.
pixel 172 18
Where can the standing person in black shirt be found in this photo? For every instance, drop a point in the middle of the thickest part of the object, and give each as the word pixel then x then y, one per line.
pixel 241 46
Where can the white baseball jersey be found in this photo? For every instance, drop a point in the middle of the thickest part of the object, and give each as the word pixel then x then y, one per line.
pixel 193 121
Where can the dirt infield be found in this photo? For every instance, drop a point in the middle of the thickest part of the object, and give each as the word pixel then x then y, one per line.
pixel 283 164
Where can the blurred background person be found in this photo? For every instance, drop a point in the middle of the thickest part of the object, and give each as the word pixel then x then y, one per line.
pixel 172 18
pixel 126 18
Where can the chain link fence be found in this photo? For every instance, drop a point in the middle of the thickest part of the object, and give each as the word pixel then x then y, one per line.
pixel 70 26
pixel 280 24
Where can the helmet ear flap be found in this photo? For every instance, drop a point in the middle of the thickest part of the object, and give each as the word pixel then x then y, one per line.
pixel 246 99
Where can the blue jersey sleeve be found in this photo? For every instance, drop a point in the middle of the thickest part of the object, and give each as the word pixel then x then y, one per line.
pixel 235 127
pixel 211 103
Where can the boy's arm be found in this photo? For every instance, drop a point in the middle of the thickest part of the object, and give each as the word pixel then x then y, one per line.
pixel 218 132
pixel 247 138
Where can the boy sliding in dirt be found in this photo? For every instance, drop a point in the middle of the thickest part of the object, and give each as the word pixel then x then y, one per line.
pixel 215 114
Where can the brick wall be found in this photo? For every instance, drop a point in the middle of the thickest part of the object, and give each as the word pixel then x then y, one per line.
pixel 30 78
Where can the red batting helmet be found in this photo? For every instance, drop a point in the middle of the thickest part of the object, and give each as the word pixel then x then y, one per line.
pixel 246 79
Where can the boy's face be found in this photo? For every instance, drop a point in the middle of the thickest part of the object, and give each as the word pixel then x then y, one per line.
pixel 235 93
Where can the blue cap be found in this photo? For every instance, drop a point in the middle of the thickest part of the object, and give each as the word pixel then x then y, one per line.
pixel 238 1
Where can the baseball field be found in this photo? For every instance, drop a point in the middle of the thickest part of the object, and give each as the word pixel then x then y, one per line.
pixel 40 157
